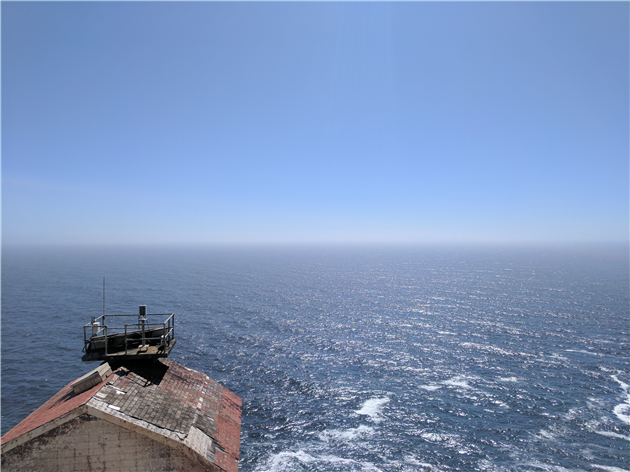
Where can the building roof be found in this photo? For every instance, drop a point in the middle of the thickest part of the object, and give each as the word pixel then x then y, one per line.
pixel 162 399
pixel 58 407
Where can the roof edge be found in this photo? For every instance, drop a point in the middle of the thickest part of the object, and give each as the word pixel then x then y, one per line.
pixel 54 423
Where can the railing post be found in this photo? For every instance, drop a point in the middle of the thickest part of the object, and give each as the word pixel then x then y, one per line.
pixel 142 317
pixel 105 329
pixel 125 339
pixel 164 334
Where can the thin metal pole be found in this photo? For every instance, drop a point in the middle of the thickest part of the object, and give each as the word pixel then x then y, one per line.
pixel 103 296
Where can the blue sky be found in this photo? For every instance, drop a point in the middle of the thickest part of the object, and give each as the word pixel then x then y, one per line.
pixel 193 123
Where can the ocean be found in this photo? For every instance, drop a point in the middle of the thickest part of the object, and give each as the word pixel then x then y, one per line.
pixel 362 358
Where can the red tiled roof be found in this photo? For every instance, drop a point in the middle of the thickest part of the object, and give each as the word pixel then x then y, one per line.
pixel 170 396
pixel 229 430
pixel 63 402
pixel 164 394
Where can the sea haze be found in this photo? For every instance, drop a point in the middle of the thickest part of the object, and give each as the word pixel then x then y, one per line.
pixel 355 359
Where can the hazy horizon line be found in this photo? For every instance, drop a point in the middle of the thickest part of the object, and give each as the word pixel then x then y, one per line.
pixel 245 244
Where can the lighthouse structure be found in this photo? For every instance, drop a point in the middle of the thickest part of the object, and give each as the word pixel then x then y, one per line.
pixel 137 411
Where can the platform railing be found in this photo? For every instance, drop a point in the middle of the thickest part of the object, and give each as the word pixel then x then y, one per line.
pixel 101 333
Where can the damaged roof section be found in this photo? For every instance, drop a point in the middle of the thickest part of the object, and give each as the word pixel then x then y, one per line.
pixel 163 400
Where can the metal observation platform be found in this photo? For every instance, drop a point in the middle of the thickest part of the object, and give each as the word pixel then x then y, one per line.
pixel 129 337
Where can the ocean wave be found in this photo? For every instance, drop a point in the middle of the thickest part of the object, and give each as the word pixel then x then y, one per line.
pixel 286 461
pixel 610 469
pixel 624 385
pixel 458 381
pixel 488 348
pixel 536 465
pixel 373 408
pixel 582 351
pixel 409 459
pixel 622 411
pixel 347 434
pixel 610 434
pixel 448 440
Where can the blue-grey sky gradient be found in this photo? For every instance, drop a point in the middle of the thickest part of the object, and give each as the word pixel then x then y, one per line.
pixel 192 123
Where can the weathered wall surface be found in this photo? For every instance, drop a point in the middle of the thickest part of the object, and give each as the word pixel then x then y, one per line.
pixel 90 444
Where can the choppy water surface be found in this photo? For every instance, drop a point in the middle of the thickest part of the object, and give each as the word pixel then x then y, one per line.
pixel 409 359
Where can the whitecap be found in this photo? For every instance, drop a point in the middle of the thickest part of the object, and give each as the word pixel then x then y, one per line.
pixel 412 460
pixel 430 388
pixel 622 411
pixel 546 467
pixel 582 351
pixel 373 408
pixel 287 460
pixel 335 460
pixel 610 434
pixel 368 466
pixel 440 437
pixel 624 385
pixel 507 379
pixel 547 434
pixel 347 434
pixel 409 459
pixel 283 460
pixel 610 469
pixel 448 440
pixel 433 437
pixel 457 382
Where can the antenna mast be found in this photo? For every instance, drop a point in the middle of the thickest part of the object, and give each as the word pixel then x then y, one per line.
pixel 103 296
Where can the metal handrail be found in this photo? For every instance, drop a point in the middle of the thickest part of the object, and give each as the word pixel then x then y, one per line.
pixel 168 327
pixel 164 338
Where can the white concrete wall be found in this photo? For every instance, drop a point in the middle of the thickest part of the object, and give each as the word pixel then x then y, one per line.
pixel 89 444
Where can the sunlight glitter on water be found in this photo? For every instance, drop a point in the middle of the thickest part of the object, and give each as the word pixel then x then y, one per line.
pixel 396 361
